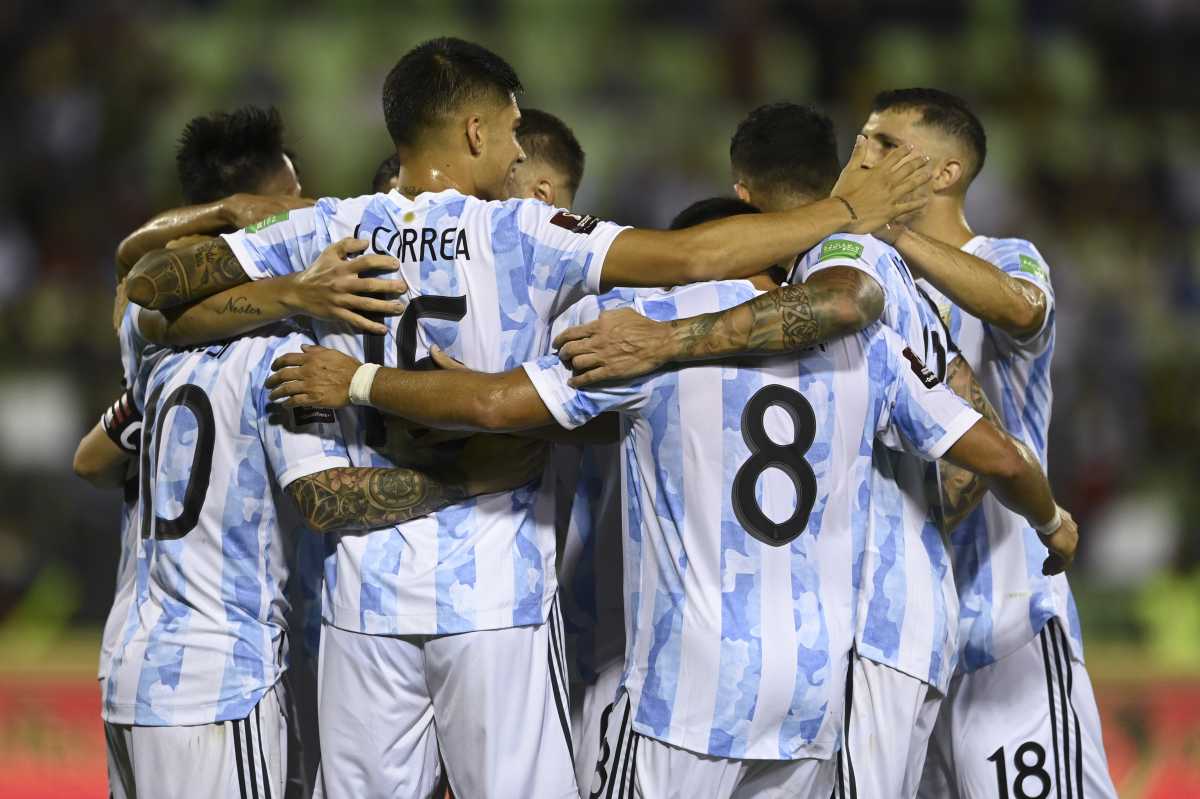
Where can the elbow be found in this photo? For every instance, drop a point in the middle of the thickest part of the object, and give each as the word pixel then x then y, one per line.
pixel 1025 319
pixel 849 314
pixel 140 289
pixel 87 468
pixel 491 413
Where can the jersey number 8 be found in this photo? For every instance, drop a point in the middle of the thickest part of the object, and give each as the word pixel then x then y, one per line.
pixel 788 458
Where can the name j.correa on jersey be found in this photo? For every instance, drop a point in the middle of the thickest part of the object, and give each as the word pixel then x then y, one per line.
pixel 417 244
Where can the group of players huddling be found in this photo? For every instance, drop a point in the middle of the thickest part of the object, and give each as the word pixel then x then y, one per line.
pixel 564 508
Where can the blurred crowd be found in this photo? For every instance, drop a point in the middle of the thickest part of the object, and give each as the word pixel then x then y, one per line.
pixel 1093 117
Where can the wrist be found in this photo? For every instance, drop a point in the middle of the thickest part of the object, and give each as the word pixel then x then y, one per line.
pixel 1050 525
pixel 848 212
pixel 361 383
pixel 287 287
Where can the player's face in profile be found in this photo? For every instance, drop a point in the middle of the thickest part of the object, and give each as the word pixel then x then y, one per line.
pixel 502 151
pixel 282 181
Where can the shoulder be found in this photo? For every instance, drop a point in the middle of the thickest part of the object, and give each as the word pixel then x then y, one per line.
pixel 1011 255
pixel 851 246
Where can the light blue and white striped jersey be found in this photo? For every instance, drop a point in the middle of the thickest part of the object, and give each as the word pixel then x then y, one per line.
pixel 485 280
pixel 1004 597
pixel 744 481
pixel 588 517
pixel 207 636
pixel 138 356
pixel 908 608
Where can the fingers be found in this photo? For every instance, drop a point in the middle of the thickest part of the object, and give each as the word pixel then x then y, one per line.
pixel 443 360
pixel 909 161
pixel 915 181
pixel 360 322
pixel 574 334
pixel 291 359
pixel 372 305
pixel 586 362
pixel 374 285
pixel 364 263
pixel 281 376
pixel 348 246
pixel 858 154
pixel 894 156
pixel 568 352
pixel 301 401
pixel 591 377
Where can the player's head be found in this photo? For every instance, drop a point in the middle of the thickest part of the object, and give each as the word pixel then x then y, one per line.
pixel 240 151
pixel 935 122
pixel 553 165
pixel 714 208
pixel 784 156
pixel 387 176
pixel 459 100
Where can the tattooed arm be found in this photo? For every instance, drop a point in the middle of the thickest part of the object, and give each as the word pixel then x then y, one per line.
pixel 622 344
pixel 167 278
pixel 962 490
pixel 350 499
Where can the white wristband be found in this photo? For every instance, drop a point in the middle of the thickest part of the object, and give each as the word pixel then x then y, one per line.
pixel 360 384
pixel 1052 525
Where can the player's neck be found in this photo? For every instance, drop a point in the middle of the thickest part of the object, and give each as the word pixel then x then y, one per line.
pixel 422 172
pixel 943 219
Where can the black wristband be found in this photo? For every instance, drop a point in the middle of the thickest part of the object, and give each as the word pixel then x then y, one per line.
pixel 849 207
pixel 123 423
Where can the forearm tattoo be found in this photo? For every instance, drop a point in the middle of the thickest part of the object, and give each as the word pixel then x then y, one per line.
pixel 784 320
pixel 166 278
pixel 963 490
pixel 349 499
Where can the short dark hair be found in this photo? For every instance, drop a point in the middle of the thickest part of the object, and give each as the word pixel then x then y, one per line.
pixel 226 153
pixel 944 111
pixel 387 171
pixel 709 209
pixel 435 78
pixel 544 136
pixel 785 147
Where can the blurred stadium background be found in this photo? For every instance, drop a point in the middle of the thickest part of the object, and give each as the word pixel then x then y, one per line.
pixel 1093 116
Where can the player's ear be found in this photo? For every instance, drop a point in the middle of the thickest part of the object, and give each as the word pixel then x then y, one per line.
pixel 544 190
pixel 475 134
pixel 741 191
pixel 948 174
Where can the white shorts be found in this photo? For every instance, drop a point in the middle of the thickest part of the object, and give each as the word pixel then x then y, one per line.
pixel 588 702
pixel 890 719
pixel 634 765
pixel 492 702
pixel 242 759
pixel 1024 726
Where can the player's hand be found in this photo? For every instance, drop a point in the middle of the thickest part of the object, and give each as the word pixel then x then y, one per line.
pixel 1061 543
pixel 333 287
pixel 897 185
pixel 242 210
pixel 315 377
pixel 495 462
pixel 618 345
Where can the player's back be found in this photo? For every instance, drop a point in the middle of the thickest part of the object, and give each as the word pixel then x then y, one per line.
pixel 138 357
pixel 997 556
pixel 908 607
pixel 206 640
pixel 746 481
pixel 485 281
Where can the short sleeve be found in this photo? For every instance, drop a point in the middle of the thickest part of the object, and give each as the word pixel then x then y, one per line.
pixel 1019 259
pixel 572 407
pixel 562 252
pixel 281 244
pixel 863 253
pixel 920 414
pixel 297 441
